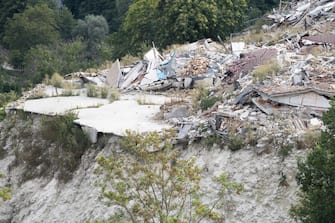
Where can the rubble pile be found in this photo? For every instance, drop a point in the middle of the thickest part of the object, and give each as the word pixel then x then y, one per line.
pixel 294 82
pixel 195 67
pixel 304 12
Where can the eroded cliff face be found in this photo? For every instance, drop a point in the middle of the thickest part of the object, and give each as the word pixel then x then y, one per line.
pixel 269 179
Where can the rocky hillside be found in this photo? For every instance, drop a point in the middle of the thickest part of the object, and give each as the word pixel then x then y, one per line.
pixel 43 196
pixel 249 107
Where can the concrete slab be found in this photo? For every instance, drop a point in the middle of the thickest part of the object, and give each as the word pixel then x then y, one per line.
pixel 61 105
pixel 113 76
pixel 120 116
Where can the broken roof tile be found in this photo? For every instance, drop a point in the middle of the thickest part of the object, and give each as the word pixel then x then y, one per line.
pixel 250 60
pixel 325 38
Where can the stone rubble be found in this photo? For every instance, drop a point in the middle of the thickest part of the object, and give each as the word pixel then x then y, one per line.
pixel 261 95
pixel 295 79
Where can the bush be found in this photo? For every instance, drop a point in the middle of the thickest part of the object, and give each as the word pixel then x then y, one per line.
pixel 114 95
pixel 139 181
pixel 71 143
pixel 104 92
pixel 235 142
pixel 284 151
pixel 7 97
pixel 208 102
pixel 2 115
pixel 213 139
pixel 56 80
pixel 198 95
pixel 92 91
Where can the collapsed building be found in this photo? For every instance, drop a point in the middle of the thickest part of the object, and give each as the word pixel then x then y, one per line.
pixel 277 86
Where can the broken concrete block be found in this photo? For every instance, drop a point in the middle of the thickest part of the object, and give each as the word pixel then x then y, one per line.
pixel 133 74
pixel 237 47
pixel 114 75
pixel 205 82
pixel 91 133
pixel 315 122
pixel 188 82
pixel 183 131
pixel 179 112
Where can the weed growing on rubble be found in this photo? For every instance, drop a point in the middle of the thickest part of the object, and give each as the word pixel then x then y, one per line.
pixel 235 142
pixel 92 91
pixel 5 192
pixel 308 140
pixel 2 114
pixel 202 100
pixel 100 92
pixel 265 70
pixel 104 92
pixel 69 92
pixel 284 151
pixel 208 102
pixel 129 59
pixel 114 95
pixel 198 95
pixel 212 139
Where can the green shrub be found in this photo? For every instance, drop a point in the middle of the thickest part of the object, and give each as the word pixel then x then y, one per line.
pixel 69 92
pixel 114 95
pixel 284 151
pixel 235 142
pixel 2 114
pixel 212 139
pixel 37 95
pixel 104 92
pixel 56 80
pixel 71 143
pixel 208 102
pixel 7 97
pixel 92 91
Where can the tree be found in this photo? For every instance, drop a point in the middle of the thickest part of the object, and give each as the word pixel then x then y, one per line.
pixel 177 21
pixel 93 29
pixel 112 10
pixel 63 58
pixel 10 7
pixel 152 184
pixel 316 177
pixel 140 24
pixel 34 26
pixel 65 22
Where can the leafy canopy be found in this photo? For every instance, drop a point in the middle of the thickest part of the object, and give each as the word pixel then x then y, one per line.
pixel 177 21
pixel 151 183
pixel 316 177
pixel 36 25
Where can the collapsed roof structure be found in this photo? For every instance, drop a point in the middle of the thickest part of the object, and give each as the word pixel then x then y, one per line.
pixel 287 99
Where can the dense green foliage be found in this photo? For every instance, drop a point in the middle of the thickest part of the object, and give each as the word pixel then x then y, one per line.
pixel 36 25
pixel 51 148
pixel 41 37
pixel 316 176
pixel 167 22
pixel 151 183
pixel 258 7
pixel 112 10
pixel 92 30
